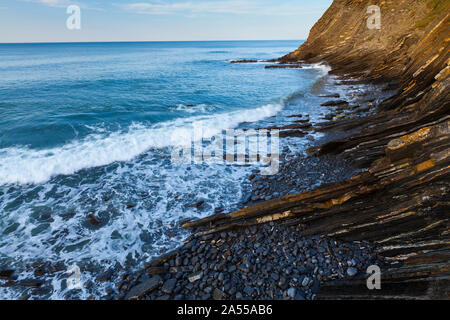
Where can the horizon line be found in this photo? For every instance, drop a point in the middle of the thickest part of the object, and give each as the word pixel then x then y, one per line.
pixel 144 41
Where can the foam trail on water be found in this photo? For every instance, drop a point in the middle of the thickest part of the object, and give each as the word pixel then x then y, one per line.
pixel 24 165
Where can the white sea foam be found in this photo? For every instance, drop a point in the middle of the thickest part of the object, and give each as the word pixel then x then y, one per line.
pixel 23 165
pixel 323 67
pixel 193 108
pixel 140 232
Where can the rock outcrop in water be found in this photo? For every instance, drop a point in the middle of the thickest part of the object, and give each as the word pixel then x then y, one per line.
pixel 401 201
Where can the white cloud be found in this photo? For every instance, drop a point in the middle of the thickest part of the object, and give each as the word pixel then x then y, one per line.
pixel 217 6
pixel 52 3
pixel 191 7
pixel 64 4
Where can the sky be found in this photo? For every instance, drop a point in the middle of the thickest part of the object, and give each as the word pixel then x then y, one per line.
pixel 159 20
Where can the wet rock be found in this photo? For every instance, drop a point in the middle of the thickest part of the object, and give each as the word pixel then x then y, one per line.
pixel 6 274
pixel 352 271
pixel 219 210
pixel 144 288
pixel 262 261
pixel 30 283
pixel 292 133
pixel 208 290
pixel 39 272
pixel 157 270
pixel 195 277
pixel 291 293
pixel 248 291
pixel 218 294
pixel 334 95
pixel 168 286
pixel 334 103
pixel 93 220
pixel 197 204
pixel 284 66
pixel 105 276
pixel 305 282
pixel 244 61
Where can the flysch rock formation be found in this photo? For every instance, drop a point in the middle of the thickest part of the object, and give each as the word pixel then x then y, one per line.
pixel 401 201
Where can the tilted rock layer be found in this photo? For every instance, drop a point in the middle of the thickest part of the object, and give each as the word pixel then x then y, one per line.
pixel 401 201
pixel 406 144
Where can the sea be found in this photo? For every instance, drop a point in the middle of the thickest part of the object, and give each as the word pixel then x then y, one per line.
pixel 87 131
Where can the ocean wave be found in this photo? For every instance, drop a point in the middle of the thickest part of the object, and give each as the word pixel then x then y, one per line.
pixel 322 66
pixel 162 195
pixel 30 166
pixel 194 108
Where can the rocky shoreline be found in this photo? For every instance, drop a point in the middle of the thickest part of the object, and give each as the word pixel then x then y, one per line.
pixel 266 260
pixel 270 261
pixel 397 205
pixel 373 190
pixel 298 173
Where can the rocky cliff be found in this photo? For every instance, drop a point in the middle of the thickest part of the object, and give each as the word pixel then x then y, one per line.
pixel 401 201
pixel 410 47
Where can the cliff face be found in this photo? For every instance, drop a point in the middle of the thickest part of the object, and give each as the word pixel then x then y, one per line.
pixel 401 201
pixel 406 146
pixel 343 38
pixel 411 46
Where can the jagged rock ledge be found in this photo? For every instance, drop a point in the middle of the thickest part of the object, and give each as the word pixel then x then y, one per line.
pixel 399 206
pixel 400 203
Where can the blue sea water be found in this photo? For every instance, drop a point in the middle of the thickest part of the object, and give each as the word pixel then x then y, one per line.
pixel 86 133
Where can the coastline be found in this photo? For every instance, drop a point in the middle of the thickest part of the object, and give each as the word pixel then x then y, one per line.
pixel 363 180
pixel 240 263
pixel 398 202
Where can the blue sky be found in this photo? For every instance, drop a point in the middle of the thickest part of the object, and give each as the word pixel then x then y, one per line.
pixel 159 20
